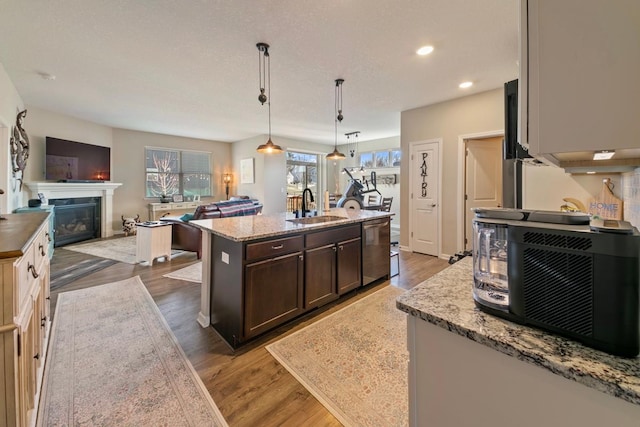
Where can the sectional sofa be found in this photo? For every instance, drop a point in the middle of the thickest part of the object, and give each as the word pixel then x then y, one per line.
pixel 187 237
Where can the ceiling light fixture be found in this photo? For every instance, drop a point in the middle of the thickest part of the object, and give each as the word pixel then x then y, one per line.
pixel 264 76
pixel 336 155
pixel 424 50
pixel 603 155
pixel 354 149
pixel 465 85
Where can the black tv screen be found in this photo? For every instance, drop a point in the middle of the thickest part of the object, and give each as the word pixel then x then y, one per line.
pixel 76 161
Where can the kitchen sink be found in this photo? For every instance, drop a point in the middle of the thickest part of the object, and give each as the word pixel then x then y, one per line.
pixel 316 219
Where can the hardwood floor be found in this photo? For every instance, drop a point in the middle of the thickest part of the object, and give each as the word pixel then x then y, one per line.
pixel 249 386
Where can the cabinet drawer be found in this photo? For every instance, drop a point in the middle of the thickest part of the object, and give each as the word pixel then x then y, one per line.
pixel 273 248
pixel 340 234
pixel 25 273
pixel 42 246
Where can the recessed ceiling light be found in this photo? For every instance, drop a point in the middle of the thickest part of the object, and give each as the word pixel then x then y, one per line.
pixel 591 172
pixel 603 155
pixel 424 50
pixel 465 85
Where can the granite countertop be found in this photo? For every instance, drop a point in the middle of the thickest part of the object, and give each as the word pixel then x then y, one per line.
pixel 251 227
pixel 446 300
pixel 17 231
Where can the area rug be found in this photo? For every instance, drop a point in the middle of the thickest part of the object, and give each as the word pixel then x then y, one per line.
pixel 121 249
pixel 354 361
pixel 113 361
pixel 72 273
pixel 192 273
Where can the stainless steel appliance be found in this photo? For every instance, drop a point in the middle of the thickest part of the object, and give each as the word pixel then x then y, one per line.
pixel 376 235
pixel 562 272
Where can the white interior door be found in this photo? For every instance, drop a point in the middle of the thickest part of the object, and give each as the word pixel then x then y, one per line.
pixel 483 180
pixel 425 188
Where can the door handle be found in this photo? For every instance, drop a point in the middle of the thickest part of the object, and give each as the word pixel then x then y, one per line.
pixel 433 205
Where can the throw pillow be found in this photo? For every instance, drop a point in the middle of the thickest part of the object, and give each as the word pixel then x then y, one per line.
pixel 186 217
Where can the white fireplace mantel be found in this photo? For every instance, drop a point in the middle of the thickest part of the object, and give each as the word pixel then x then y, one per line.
pixel 69 190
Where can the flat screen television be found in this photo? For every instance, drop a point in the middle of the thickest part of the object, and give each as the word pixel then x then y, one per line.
pixel 72 161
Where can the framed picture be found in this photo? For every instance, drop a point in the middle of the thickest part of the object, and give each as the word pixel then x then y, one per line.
pixel 246 171
pixel 196 198
pixel 177 198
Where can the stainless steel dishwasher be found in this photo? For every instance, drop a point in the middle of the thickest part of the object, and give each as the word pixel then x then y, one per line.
pixel 375 250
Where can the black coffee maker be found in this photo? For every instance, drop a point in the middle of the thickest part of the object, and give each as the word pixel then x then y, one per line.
pixel 562 272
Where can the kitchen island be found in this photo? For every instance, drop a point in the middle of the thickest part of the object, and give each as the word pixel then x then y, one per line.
pixel 261 271
pixel 470 368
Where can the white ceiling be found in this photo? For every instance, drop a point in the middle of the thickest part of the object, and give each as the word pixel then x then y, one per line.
pixel 190 67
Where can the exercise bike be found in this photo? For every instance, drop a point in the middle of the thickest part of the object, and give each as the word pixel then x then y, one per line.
pixel 353 197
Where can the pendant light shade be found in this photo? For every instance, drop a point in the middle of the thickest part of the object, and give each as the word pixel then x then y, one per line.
pixel 264 75
pixel 336 155
pixel 269 148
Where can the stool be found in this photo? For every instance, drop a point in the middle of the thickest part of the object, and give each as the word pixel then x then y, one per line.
pixel 395 254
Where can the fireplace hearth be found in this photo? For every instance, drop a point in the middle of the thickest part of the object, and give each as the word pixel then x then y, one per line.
pixel 76 219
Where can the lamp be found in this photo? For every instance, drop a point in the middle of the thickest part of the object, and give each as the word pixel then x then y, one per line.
pixel 226 178
pixel 336 155
pixel 265 85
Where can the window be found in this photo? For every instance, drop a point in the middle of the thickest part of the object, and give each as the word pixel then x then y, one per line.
pixel 302 172
pixel 170 172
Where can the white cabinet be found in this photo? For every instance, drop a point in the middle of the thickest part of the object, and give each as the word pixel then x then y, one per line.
pixel 158 210
pixel 24 315
pixel 580 68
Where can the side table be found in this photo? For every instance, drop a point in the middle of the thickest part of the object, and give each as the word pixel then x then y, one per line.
pixel 153 240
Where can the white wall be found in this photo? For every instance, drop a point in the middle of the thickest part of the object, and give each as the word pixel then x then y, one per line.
pixel 448 120
pixel 128 168
pixel 545 187
pixel 10 105
pixel 270 175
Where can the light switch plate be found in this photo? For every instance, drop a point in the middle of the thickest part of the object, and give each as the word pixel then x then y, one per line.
pixel 225 257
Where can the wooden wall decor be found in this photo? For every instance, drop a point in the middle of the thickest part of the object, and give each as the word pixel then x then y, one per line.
pixel 389 179
pixel 19 147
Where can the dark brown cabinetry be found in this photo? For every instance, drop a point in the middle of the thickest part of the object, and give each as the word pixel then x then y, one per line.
pixel 333 264
pixel 320 276
pixel 349 265
pixel 273 292
pixel 259 285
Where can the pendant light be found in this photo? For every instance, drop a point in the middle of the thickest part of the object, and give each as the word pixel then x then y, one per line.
pixel 264 76
pixel 336 155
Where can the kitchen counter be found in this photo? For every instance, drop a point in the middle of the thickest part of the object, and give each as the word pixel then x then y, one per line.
pixel 446 301
pixel 238 253
pixel 252 227
pixel 17 232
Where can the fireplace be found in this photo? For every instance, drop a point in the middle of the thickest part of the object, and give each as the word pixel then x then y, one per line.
pixel 102 191
pixel 76 219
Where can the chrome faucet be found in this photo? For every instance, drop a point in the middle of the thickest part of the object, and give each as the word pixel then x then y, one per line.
pixel 304 201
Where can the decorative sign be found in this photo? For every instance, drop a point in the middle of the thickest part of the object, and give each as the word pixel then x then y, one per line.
pixel 424 173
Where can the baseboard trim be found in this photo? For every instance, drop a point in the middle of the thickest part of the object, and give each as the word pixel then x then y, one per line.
pixel 203 320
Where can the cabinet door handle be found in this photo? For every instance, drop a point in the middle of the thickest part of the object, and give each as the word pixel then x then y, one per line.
pixel 301 257
pixel 335 249
pixel 43 322
pixel 41 249
pixel 37 356
pixel 32 269
pixel 48 236
pixel 277 247
pixel 341 247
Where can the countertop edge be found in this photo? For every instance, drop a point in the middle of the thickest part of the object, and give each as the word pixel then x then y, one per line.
pixel 206 225
pixel 612 386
